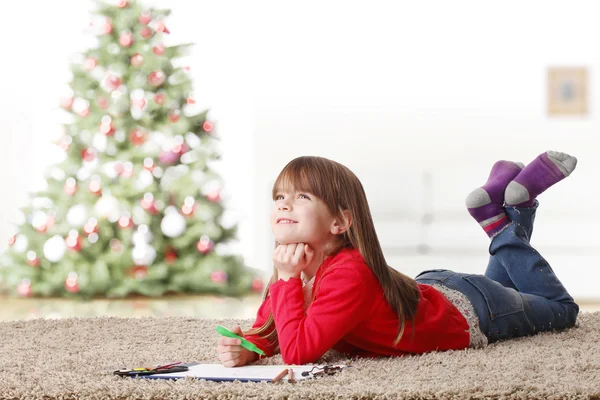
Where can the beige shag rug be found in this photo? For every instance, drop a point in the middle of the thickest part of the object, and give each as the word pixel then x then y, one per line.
pixel 74 359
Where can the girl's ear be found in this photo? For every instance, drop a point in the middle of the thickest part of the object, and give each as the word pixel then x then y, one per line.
pixel 340 226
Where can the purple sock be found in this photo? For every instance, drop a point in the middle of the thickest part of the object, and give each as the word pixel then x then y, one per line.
pixel 546 170
pixel 486 203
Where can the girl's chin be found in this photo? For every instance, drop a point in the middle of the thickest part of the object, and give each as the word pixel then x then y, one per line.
pixel 288 240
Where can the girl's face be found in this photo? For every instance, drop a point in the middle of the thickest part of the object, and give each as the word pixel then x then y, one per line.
pixel 300 217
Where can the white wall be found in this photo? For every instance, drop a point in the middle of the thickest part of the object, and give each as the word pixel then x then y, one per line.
pixel 443 88
pixel 391 89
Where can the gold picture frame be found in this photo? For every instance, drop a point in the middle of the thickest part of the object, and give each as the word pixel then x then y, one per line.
pixel 567 91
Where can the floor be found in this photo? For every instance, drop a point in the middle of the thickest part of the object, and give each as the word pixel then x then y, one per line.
pixel 188 306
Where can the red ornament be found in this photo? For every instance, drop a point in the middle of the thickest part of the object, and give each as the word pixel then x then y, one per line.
pixel 149 204
pixel 125 222
pixel 127 170
pixel 118 167
pixel 214 196
pixel 139 103
pixel 168 157
pixel 41 228
pixel 159 99
pixel 126 39
pixel 170 255
pixel 122 4
pixel 107 129
pixel 107 28
pixel 112 82
pixel 65 142
pixel 149 164
pixel 205 245
pixel 67 102
pixel 145 18
pixel 146 32
pixel 90 63
pixel 188 210
pixel 70 186
pixel 189 100
pixel 180 149
pixel 84 112
pixel 138 271
pixel 159 49
pixel 88 155
pixel 207 126
pixel 156 78
pixel 115 245
pixel 174 115
pixel 91 226
pixel 50 221
pixel 102 102
pixel 95 187
pixel 136 60
pixel 73 241
pixel 137 137
pixel 12 240
pixel 257 285
pixel 32 259
pixel 71 283
pixel 24 288
pixel 219 277
pixel 160 27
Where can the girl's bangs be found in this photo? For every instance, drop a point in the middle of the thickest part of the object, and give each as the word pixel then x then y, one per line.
pixel 295 177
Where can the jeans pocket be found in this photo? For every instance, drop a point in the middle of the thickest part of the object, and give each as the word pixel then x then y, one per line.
pixel 430 270
pixel 500 300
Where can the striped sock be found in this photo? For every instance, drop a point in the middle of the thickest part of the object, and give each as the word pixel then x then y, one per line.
pixel 486 203
pixel 546 170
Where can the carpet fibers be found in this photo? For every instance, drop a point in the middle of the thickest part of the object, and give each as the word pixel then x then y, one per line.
pixel 74 358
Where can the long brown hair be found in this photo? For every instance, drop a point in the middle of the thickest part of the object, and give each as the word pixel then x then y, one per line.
pixel 340 190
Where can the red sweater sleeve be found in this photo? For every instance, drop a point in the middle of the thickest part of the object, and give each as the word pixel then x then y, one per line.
pixel 341 303
pixel 261 317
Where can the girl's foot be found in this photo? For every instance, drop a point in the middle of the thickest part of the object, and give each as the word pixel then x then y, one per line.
pixel 546 170
pixel 485 203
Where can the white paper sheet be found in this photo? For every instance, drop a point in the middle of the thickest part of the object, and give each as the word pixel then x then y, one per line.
pixel 253 373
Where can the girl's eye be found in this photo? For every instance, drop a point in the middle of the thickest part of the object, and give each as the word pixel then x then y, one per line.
pixel 280 196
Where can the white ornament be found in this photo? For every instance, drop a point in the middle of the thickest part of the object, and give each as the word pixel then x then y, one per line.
pixel 143 254
pixel 58 174
pixel 85 172
pixel 99 142
pixel 21 243
pixel 173 224
pixel 144 179
pixel 54 248
pixel 39 219
pixel 142 235
pixel 80 105
pixel 77 215
pixel 107 206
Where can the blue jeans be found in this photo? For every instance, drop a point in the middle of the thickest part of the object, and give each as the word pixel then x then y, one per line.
pixel 519 295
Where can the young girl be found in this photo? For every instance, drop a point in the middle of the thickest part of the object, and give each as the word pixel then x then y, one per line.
pixel 332 287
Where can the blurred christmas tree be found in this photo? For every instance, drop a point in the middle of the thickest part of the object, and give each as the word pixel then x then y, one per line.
pixel 134 208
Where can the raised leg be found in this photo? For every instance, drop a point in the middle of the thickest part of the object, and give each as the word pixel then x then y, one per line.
pixel 545 299
pixel 524 216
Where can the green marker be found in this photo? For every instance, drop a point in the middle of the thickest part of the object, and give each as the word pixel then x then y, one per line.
pixel 245 344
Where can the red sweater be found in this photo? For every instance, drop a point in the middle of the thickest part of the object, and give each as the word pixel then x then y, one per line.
pixel 351 315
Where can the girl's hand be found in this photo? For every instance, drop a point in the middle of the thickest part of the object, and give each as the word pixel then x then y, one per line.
pixel 231 354
pixel 291 259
